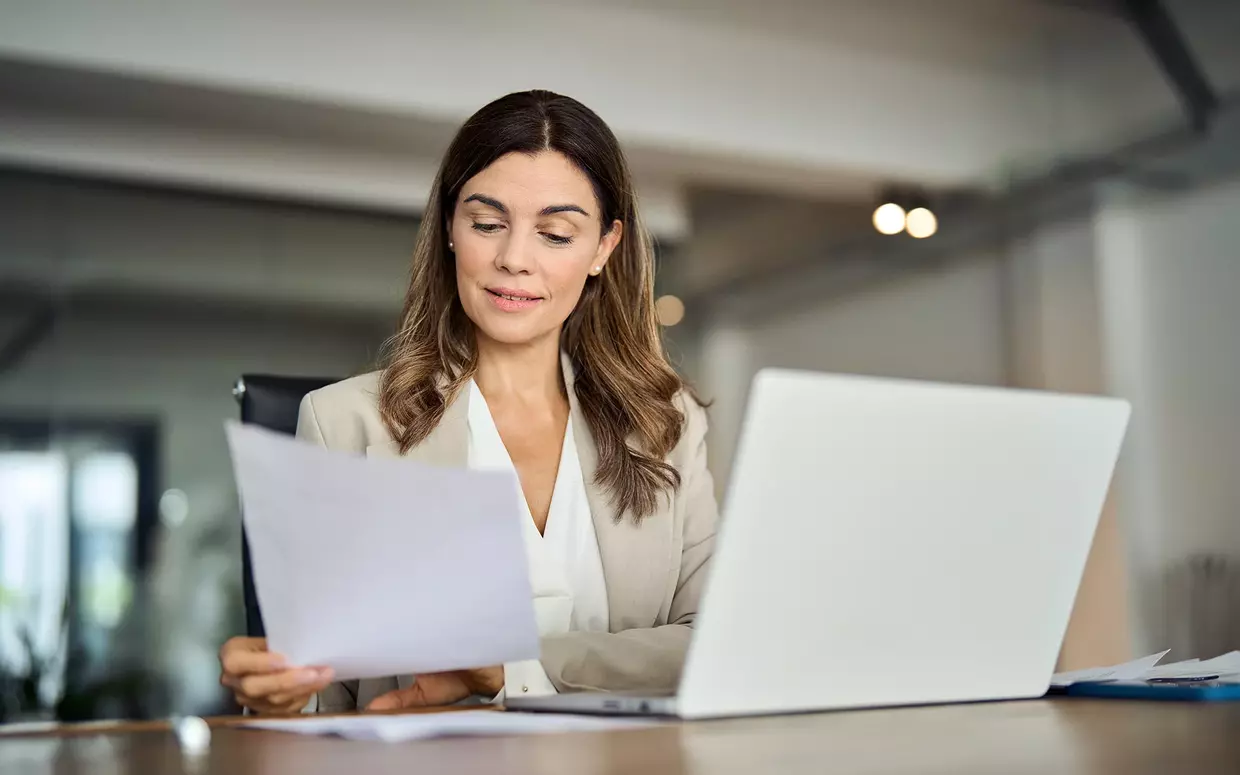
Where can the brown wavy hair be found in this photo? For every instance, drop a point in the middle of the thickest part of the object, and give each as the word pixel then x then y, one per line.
pixel 624 383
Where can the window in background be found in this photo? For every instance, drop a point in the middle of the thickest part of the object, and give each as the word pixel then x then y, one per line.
pixel 34 575
pixel 78 502
pixel 105 505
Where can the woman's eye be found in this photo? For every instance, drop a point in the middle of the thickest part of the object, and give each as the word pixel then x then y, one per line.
pixel 556 239
pixel 487 228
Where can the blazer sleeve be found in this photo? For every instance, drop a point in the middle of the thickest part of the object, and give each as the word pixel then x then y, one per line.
pixel 650 659
pixel 342 695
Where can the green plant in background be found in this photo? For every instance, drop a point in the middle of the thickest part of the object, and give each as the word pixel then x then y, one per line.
pixel 121 694
pixel 132 692
pixel 122 685
pixel 19 689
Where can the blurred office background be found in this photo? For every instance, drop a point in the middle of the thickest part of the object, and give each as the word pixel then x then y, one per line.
pixel 193 191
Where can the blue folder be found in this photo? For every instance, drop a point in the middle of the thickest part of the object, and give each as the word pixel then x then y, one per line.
pixel 1181 691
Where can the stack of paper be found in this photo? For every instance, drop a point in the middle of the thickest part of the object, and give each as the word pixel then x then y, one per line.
pixel 468 723
pixel 1226 666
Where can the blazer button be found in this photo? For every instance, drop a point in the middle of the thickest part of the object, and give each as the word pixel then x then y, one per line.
pixel 524 689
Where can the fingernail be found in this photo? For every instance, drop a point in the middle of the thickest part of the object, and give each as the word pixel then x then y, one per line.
pixel 326 674
pixel 278 662
pixel 309 676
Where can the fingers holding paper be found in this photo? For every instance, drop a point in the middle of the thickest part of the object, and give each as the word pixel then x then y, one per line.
pixel 261 680
pixel 429 689
pixel 432 689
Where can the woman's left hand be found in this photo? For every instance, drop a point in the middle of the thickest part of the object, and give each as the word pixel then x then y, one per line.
pixel 432 689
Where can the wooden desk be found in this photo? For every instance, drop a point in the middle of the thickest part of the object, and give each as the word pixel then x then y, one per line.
pixel 1063 736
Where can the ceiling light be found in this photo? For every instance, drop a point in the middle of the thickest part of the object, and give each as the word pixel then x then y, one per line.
pixel 889 218
pixel 921 223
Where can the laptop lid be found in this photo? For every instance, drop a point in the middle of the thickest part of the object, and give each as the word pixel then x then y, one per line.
pixel 889 542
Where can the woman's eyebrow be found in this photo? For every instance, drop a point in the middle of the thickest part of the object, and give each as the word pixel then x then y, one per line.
pixel 553 209
pixel 495 204
pixel 491 202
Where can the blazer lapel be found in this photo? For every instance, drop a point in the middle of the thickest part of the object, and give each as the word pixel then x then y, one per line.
pixel 635 558
pixel 447 445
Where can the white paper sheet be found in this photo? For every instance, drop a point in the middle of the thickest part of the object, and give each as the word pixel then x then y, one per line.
pixel 1128 671
pixel 1223 665
pixel 381 566
pixel 468 723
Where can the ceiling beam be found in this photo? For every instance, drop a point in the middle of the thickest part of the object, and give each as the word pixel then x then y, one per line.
pixel 791 103
pixel 1170 50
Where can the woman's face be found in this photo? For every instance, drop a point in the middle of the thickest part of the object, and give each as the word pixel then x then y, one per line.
pixel 526 234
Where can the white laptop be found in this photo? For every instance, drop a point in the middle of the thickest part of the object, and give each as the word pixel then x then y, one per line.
pixel 889 542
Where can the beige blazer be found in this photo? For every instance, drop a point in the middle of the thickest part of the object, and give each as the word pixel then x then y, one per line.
pixel 655 571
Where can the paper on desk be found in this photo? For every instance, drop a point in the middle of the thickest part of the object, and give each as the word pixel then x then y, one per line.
pixel 378 566
pixel 1128 671
pixel 467 723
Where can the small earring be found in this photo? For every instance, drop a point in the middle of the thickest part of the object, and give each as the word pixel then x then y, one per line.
pixel 451 247
pixel 597 270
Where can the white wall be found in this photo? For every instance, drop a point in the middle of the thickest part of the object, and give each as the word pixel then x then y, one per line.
pixel 1055 342
pixel 1170 275
pixel 1051 293
pixel 943 324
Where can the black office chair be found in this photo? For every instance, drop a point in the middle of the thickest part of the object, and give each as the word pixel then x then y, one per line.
pixel 271 402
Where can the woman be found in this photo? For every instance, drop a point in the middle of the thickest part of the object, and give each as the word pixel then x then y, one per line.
pixel 528 341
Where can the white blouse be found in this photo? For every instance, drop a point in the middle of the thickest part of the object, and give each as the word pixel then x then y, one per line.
pixel 566 572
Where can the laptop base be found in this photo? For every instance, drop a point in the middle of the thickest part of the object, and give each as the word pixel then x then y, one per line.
pixel 597 704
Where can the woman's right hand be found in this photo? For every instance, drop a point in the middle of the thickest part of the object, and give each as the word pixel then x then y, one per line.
pixel 263 682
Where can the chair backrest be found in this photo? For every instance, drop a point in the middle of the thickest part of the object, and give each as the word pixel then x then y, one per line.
pixel 271 402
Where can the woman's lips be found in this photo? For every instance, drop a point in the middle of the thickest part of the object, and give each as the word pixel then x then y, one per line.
pixel 511 299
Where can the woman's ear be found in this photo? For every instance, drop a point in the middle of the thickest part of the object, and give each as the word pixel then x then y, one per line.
pixel 606 246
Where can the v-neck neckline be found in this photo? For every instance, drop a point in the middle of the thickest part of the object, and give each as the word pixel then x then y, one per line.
pixel 480 411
